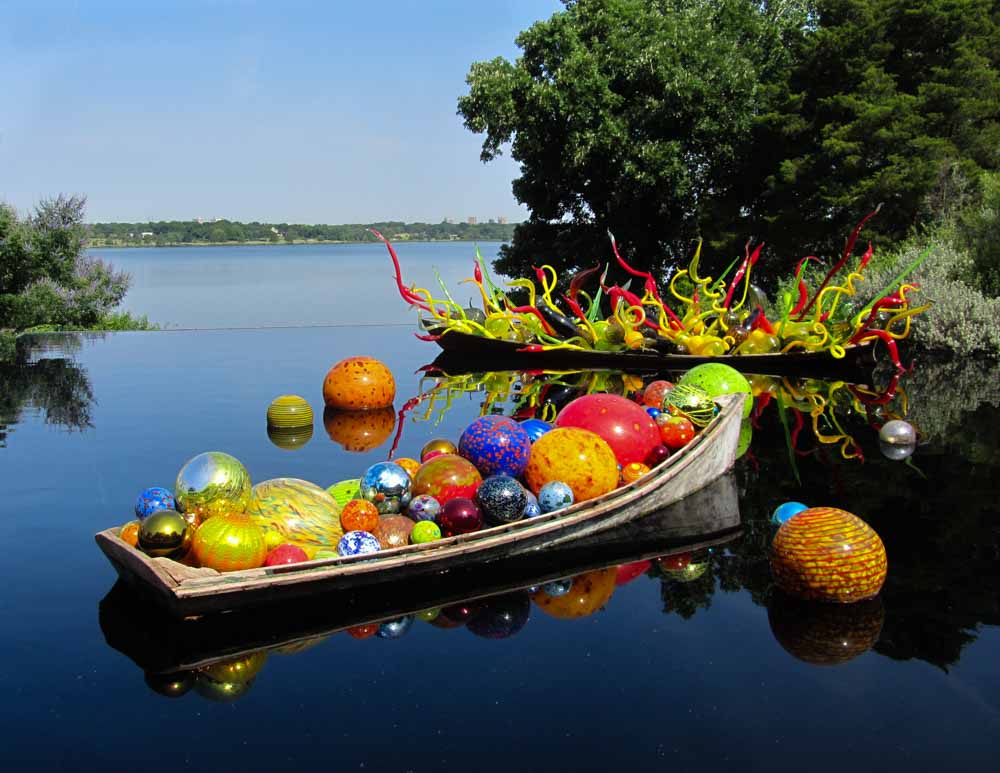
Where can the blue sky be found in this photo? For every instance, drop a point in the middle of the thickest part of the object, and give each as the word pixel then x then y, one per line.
pixel 335 112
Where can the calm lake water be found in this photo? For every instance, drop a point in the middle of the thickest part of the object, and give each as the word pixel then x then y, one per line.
pixel 694 664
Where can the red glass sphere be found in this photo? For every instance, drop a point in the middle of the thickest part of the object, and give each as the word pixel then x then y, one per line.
pixel 460 516
pixel 621 423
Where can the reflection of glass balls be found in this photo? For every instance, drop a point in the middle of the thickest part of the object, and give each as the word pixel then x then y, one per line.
pixel 825 634
pixel 587 593
pixel 387 486
pixel 554 495
pixel 212 483
pixel 496 445
pixel 152 500
pixel 356 543
pixel 424 507
pixel 290 438
pixel 502 500
pixel 501 616
pixel 557 588
pixel 895 453
pixel 359 431
pixel 394 629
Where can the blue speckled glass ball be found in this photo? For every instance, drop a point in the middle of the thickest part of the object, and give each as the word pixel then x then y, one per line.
pixel 496 445
pixel 785 512
pixel 394 629
pixel 502 500
pixel 424 507
pixel 356 543
pixel 558 588
pixel 152 500
pixel 535 428
pixel 554 495
pixel 531 507
pixel 387 486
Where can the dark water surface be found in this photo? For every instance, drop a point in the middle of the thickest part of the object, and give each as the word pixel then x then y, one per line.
pixel 703 669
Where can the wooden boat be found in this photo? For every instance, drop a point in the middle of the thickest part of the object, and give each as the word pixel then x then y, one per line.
pixel 161 645
pixel 464 352
pixel 186 591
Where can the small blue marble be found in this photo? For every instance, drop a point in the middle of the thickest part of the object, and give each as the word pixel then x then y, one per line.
pixel 557 588
pixel 394 629
pixel 356 543
pixel 424 507
pixel 653 411
pixel 784 513
pixel 152 500
pixel 555 495
pixel 531 506
pixel 535 428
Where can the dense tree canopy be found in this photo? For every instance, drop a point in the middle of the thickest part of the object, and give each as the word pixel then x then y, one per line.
pixel 669 120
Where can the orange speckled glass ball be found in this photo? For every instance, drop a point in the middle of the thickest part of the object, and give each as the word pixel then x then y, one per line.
pixel 654 392
pixel 359 515
pixel 229 542
pixel 408 464
pixel 578 457
pixel 129 533
pixel 359 383
pixel 826 554
pixel 359 431
pixel 632 472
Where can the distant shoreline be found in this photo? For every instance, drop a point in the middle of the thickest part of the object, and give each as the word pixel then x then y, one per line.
pixel 296 243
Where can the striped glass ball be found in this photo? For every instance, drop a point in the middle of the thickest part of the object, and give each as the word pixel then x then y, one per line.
pixel 690 401
pixel 230 542
pixel 826 554
pixel 289 411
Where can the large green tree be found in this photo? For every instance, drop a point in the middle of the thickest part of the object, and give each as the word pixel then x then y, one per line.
pixel 633 116
pixel 885 99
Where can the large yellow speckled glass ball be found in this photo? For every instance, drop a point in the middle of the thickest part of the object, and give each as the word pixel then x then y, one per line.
pixel 212 483
pixel 301 512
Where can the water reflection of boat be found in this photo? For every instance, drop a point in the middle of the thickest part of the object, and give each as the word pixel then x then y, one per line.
pixel 186 591
pixel 167 648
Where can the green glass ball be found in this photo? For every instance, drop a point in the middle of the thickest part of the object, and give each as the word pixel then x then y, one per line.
pixel 719 379
pixel 691 401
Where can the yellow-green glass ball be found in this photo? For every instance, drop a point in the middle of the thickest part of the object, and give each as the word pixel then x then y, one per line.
pixel 212 483
pixel 301 512
pixel 717 379
pixel 289 411
pixel 346 490
pixel 229 542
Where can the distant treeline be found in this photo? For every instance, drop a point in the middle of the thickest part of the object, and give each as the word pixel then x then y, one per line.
pixel 165 233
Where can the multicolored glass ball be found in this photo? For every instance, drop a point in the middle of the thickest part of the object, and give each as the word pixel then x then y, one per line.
pixel 423 507
pixel 296 511
pixel 387 486
pixel 357 543
pixel 502 500
pixel 496 445
pixel 632 472
pixel 554 495
pixel 826 554
pixel 152 500
pixel 577 457
pixel 446 477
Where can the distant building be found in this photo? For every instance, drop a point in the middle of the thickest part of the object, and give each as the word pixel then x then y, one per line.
pixel 502 220
pixel 471 220
pixel 144 234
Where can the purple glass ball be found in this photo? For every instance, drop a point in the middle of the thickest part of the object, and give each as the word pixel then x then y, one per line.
pixel 460 516
pixel 658 455
pixel 496 445
pixel 424 507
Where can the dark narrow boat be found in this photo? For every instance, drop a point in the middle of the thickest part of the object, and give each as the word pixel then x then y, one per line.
pixel 186 591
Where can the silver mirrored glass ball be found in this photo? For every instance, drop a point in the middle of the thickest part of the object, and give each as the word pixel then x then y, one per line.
pixel 387 486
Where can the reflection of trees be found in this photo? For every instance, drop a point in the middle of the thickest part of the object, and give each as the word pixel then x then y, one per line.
pixel 54 386
pixel 940 522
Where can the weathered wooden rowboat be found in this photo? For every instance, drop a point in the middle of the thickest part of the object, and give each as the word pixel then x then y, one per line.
pixel 472 352
pixel 186 591
pixel 161 645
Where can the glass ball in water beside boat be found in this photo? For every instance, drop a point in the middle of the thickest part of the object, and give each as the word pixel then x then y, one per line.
pixel 718 379
pixel 578 458
pixel 825 634
pixel 587 594
pixel 346 490
pixel 535 428
pixel 359 431
pixel 165 534
pixel 212 483
pixel 289 411
pixel 531 506
pixel 557 588
pixel 393 531
pixel 446 477
pixel 554 495
pixel 356 543
pixel 359 383
pixel 437 447
pixel 423 507
pixel 625 426
pixel 172 685
pixel 425 531
pixel 229 543
pixel 460 516
pixel 898 433
pixel 300 512
pixel 691 401
pixel 152 500
pixel 496 445
pixel 290 438
pixel 784 512
pixel 502 500
pixel 394 629
pixel 387 486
